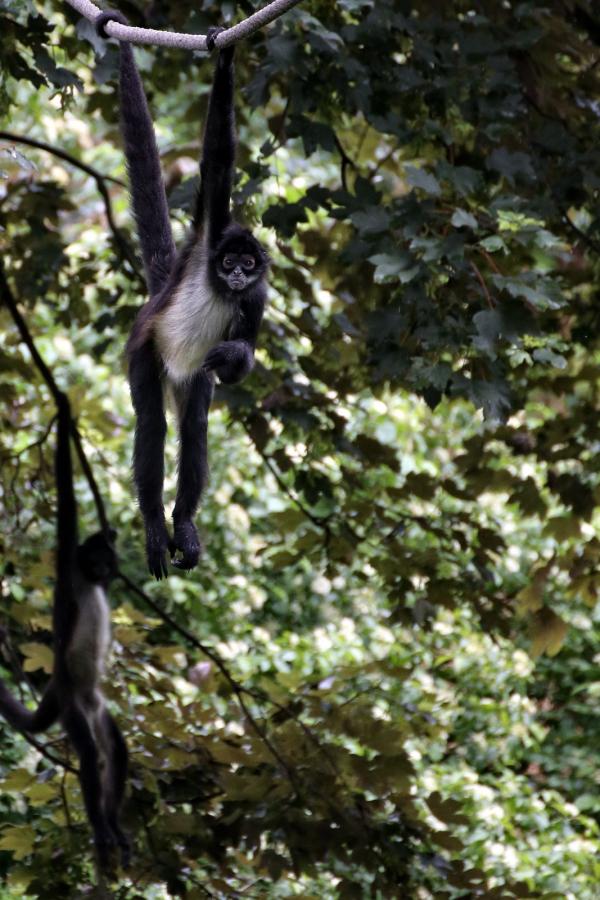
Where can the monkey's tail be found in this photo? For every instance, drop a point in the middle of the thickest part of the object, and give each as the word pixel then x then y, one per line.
pixel 24 719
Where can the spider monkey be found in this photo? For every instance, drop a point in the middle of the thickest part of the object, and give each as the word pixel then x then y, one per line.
pixel 81 628
pixel 205 308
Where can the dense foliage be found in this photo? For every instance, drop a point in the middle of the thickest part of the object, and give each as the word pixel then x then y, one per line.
pixel 382 680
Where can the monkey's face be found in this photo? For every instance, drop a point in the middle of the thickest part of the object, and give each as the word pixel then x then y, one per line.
pixel 238 270
pixel 97 558
pixel 239 260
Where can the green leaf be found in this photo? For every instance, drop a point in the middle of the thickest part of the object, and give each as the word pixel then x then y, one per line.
pixel 493 243
pixel 422 180
pixel 548 632
pixel 463 219
pixel 394 267
pixel 374 220
pixel 18 840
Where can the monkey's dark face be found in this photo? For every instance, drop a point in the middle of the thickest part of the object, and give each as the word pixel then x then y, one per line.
pixel 237 269
pixel 97 558
pixel 239 260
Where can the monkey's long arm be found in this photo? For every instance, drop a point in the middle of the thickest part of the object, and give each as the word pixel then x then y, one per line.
pixel 48 710
pixel 148 193
pixel 218 152
pixel 233 359
pixel 65 603
pixel 24 719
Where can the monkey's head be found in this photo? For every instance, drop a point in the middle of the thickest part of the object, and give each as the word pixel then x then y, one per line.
pixel 239 260
pixel 97 559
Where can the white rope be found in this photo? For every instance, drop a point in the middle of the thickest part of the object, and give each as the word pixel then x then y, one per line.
pixel 186 41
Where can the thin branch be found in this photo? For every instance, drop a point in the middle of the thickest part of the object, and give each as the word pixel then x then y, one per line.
pixel 11 304
pixel 38 443
pixel 13 138
pixel 489 259
pixel 589 242
pixel 100 180
pixel 345 160
pixel 186 41
pixel 319 521
pixel 484 286
pixel 47 754
pixel 89 475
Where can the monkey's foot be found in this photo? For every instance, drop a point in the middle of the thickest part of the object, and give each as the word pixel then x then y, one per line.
pixel 106 846
pixel 125 856
pixel 157 547
pixel 125 849
pixel 187 542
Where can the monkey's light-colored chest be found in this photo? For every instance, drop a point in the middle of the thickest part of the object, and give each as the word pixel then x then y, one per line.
pixel 193 323
pixel 90 643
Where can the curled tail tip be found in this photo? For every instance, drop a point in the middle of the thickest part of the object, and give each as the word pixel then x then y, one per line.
pixel 109 15
pixel 211 36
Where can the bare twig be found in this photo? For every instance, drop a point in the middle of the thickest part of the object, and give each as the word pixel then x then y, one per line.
pixel 589 242
pixel 346 161
pixel 186 41
pixel 484 286
pixel 489 259
pixel 38 443
pixel 319 521
pixel 47 754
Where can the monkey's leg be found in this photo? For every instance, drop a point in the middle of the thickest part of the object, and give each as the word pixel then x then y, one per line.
pixel 193 402
pixel 118 780
pixel 90 778
pixel 148 452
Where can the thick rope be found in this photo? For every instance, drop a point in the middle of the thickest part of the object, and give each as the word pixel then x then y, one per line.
pixel 186 41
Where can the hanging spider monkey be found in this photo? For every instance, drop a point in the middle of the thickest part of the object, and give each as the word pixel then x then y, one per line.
pixel 205 308
pixel 81 628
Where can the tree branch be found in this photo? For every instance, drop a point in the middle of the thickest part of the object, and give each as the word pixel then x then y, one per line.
pixel 589 242
pixel 186 41
pixel 120 239
pixel 484 286
pixel 42 749
pixel 345 162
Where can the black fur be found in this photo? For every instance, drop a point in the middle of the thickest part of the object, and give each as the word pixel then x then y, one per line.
pixel 91 563
pixel 211 36
pixel 193 401
pixel 244 293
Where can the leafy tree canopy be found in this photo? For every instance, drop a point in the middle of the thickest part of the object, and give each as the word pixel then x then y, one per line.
pixel 382 680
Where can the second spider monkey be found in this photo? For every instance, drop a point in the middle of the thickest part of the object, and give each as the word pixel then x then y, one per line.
pixel 81 628
pixel 205 308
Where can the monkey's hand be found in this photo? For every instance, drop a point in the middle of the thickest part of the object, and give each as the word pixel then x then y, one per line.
pixel 157 545
pixel 230 360
pixel 186 541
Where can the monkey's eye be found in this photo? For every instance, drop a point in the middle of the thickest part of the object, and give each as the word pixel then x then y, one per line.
pixel 248 262
pixel 228 262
